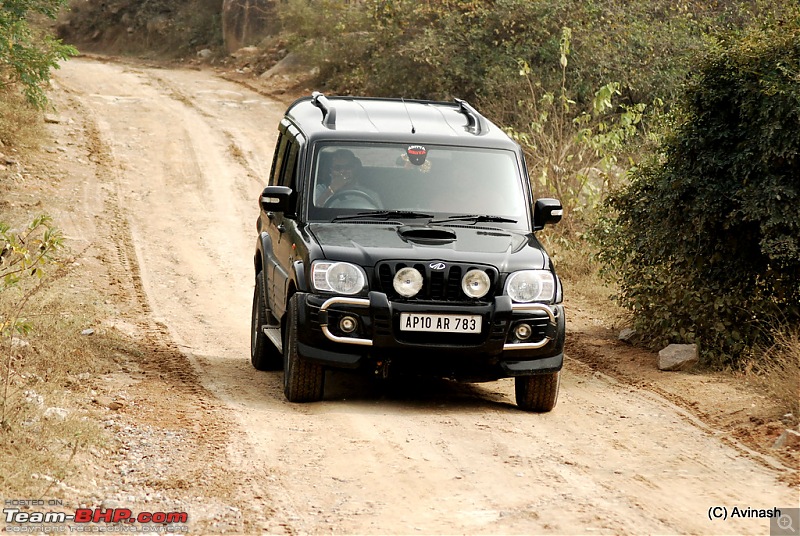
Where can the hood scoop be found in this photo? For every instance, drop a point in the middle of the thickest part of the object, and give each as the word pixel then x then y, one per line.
pixel 426 235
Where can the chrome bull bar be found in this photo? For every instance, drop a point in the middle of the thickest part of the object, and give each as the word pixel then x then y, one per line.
pixel 361 302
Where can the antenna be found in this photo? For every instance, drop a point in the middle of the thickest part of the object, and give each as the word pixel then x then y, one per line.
pixel 413 129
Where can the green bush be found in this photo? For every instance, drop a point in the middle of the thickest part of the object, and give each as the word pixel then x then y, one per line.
pixel 706 243
pixel 26 54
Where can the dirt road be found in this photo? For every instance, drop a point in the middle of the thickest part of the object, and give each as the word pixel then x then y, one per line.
pixel 182 156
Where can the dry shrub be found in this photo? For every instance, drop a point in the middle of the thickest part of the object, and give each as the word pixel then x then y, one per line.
pixel 20 123
pixel 51 368
pixel 49 375
pixel 576 265
pixel 777 370
pixel 47 366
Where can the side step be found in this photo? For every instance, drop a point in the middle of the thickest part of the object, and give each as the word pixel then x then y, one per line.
pixel 273 333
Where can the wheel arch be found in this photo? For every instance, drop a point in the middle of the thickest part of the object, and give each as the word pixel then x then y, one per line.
pixel 263 244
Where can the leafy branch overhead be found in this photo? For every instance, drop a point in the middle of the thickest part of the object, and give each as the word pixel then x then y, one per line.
pixel 27 55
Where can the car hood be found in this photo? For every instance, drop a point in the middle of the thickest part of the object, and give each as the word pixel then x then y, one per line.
pixel 368 243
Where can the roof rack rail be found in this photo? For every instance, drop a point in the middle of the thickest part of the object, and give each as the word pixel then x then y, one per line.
pixel 328 112
pixel 477 123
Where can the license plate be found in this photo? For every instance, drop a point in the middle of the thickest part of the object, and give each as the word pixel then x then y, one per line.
pixel 440 323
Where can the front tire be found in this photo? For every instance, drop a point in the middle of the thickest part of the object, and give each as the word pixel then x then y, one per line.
pixel 537 393
pixel 303 381
pixel 263 354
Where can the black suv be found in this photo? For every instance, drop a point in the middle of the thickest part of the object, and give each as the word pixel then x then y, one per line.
pixel 398 236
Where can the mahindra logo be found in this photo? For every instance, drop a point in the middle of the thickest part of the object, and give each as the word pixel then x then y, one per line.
pixel 437 266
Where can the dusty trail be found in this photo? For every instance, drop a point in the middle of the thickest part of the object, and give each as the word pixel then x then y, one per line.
pixel 189 154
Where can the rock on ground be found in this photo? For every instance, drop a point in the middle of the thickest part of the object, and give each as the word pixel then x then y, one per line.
pixel 677 357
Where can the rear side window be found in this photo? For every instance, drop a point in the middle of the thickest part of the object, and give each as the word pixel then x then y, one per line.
pixel 287 178
pixel 277 163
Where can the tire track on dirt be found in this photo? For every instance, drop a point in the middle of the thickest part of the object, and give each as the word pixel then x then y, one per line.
pixel 170 360
pixel 170 394
pixel 235 150
pixel 173 394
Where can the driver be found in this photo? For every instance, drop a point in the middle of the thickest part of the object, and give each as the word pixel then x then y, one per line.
pixel 344 177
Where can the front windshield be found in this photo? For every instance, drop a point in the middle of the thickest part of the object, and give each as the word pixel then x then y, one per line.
pixel 437 180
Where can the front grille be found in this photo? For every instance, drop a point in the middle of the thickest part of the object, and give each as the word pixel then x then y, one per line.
pixel 438 284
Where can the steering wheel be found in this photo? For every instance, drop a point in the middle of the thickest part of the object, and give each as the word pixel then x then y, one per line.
pixel 352 194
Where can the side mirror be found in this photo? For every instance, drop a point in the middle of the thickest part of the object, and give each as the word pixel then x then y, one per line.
pixel 546 211
pixel 275 199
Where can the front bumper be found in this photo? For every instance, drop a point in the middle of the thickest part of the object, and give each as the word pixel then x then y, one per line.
pixel 491 354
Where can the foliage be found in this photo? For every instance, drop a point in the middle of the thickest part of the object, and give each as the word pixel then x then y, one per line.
pixel 706 244
pixel 26 55
pixel 572 155
pixel 328 33
pixel 470 48
pixel 24 257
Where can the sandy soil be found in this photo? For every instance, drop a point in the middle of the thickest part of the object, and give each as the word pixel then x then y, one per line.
pixel 162 169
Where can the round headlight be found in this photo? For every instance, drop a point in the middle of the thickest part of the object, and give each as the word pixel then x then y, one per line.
pixel 531 285
pixel 475 283
pixel 345 278
pixel 407 282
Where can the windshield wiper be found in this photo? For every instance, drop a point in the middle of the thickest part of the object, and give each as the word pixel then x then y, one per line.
pixel 385 214
pixel 477 218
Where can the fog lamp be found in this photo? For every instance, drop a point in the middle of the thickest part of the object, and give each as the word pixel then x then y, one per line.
pixel 348 324
pixel 407 282
pixel 523 331
pixel 476 284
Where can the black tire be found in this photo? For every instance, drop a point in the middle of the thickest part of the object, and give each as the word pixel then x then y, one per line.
pixel 263 354
pixel 537 393
pixel 303 381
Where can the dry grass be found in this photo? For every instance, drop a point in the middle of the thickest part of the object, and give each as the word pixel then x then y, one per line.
pixel 777 371
pixel 47 375
pixel 20 124
pixel 580 274
pixel 48 381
